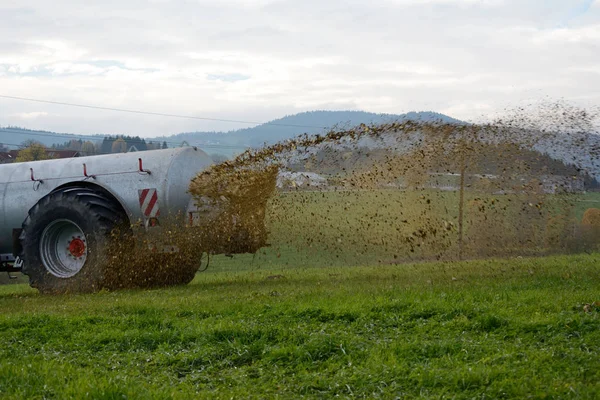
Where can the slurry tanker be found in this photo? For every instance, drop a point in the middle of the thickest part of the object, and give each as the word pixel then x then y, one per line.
pixel 70 223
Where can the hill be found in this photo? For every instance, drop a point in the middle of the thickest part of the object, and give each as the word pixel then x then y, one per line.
pixel 578 149
pixel 12 137
pixel 311 122
pixel 234 141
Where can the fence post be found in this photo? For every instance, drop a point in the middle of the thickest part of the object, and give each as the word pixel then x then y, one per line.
pixel 461 202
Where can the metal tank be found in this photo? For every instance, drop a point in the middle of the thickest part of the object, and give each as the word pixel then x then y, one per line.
pixel 60 219
pixel 162 174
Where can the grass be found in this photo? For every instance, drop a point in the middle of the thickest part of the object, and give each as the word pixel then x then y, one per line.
pixel 479 329
pixel 355 324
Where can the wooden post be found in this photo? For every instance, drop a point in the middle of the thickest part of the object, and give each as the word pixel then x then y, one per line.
pixel 461 202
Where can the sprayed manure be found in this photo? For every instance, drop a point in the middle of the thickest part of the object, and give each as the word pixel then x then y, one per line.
pixel 411 191
pixel 386 194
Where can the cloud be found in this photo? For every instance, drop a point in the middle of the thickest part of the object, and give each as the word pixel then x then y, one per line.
pixel 460 3
pixel 587 34
pixel 581 8
pixel 261 59
pixel 233 77
pixel 29 115
pixel 592 69
pixel 478 111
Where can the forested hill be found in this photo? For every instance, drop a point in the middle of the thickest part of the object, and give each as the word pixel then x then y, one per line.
pixel 271 132
pixel 13 137
pixel 294 125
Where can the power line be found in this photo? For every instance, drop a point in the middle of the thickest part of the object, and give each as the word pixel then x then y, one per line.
pixel 91 138
pixel 157 113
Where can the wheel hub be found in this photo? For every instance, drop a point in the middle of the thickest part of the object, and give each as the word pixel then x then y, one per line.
pixel 63 248
pixel 77 247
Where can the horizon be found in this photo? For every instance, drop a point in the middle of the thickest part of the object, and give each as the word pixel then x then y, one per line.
pixel 272 122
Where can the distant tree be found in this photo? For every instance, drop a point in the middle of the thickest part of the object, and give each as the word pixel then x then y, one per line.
pixel 62 146
pixel 75 144
pixel 106 146
pixel 33 152
pixel 88 148
pixel 29 142
pixel 119 146
pixel 139 143
pixel 164 145
pixel 154 145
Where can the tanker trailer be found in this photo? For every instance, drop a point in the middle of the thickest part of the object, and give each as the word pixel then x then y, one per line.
pixel 62 222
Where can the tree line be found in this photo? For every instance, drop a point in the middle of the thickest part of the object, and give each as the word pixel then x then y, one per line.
pixel 111 144
pixel 32 150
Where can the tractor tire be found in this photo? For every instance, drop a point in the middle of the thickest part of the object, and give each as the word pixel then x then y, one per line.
pixel 66 239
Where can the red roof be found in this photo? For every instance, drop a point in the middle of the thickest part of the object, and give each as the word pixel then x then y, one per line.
pixel 8 157
pixel 62 153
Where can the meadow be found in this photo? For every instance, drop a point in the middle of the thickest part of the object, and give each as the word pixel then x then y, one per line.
pixel 320 314
pixel 477 329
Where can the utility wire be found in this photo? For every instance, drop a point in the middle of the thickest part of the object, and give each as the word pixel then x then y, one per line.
pixel 157 113
pixel 101 137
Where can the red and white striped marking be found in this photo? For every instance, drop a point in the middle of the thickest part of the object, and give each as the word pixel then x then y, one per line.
pixel 149 203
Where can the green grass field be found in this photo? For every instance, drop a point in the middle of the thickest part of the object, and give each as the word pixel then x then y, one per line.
pixel 339 305
pixel 479 329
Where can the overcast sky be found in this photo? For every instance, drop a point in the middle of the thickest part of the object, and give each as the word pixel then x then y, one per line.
pixel 262 59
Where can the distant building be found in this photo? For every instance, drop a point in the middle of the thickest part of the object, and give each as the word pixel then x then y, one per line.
pixel 288 179
pixel 62 153
pixel 8 156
